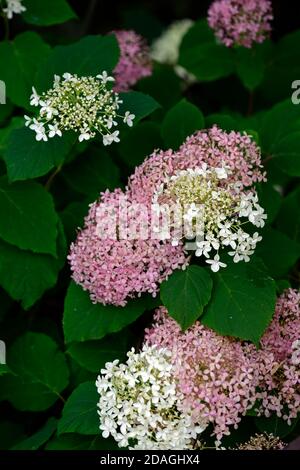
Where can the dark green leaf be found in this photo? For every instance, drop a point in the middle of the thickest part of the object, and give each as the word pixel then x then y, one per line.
pixel 181 121
pixel 35 441
pixel 278 252
pixel 84 320
pixel 270 200
pixel 80 411
pixel 274 425
pixel 139 104
pixel 79 442
pixel 92 355
pixel 242 302
pixel 47 12
pixel 202 56
pixel 251 64
pixel 140 142
pixel 287 154
pixel 186 293
pixel 30 220
pixel 20 66
pixel 41 373
pixel 92 173
pixel 288 220
pixel 26 275
pixel 87 57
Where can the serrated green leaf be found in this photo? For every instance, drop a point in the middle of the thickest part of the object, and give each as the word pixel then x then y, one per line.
pixel 242 302
pixel 41 373
pixel 30 220
pixel 186 293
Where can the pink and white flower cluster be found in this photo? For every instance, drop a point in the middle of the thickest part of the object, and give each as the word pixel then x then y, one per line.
pixel 210 179
pixel 240 22
pixel 221 377
pixel 213 380
pixel 139 403
pixel 135 61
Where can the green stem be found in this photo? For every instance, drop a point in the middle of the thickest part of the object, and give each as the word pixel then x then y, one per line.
pixel 52 177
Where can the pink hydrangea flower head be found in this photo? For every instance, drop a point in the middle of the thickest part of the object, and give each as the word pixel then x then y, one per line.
pixel 214 147
pixel 281 388
pixel 113 269
pixel 217 375
pixel 134 63
pixel 240 22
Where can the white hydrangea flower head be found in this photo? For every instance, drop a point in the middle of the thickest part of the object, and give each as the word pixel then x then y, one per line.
pixel 165 49
pixel 85 105
pixel 140 405
pixel 215 212
pixel 13 7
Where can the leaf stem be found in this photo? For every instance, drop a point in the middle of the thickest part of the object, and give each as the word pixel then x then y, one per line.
pixel 52 177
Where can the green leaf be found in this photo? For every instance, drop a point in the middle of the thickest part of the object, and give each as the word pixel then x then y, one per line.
pixel 20 66
pixel 139 104
pixel 5 132
pixel 92 173
pixel 30 220
pixel 163 85
pixel 287 251
pixel 11 432
pixel 26 275
pixel 287 154
pixel 72 217
pixel 270 200
pixel 224 121
pixel 47 12
pixel 274 425
pixel 277 123
pixel 139 142
pixel 92 355
pixel 35 441
pixel 80 411
pixel 250 64
pixel 87 57
pixel 283 68
pixel 84 320
pixel 288 220
pixel 41 373
pixel 26 158
pixel 80 442
pixel 186 293
pixel 202 56
pixel 181 121
pixel 242 302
